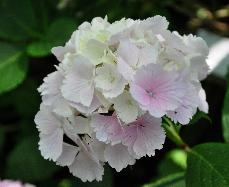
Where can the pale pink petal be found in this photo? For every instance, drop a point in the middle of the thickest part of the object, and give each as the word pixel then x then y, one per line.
pixel 9 183
pixel 156 90
pixel 184 113
pixel 118 157
pixel 139 94
pixel 144 136
pixel 107 128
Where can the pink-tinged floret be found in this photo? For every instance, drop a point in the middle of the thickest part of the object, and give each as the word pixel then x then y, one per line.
pixel 157 90
pixel 144 136
pixel 108 128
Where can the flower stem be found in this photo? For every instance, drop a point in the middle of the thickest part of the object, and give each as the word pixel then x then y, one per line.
pixel 173 134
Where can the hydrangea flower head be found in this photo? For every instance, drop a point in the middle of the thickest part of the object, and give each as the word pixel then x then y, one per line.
pixel 112 86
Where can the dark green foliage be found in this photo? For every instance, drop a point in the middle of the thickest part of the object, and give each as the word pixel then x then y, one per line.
pixel 57 34
pixel 26 163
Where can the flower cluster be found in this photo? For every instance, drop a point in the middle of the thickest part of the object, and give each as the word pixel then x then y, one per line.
pixel 114 83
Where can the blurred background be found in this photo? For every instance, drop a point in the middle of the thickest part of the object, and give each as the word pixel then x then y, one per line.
pixel 30 28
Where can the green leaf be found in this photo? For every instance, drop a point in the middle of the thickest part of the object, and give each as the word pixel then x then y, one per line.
pixel 25 162
pixel 13 67
pixel 26 99
pixel 60 30
pixel 57 34
pixel 208 165
pixel 17 20
pixel 39 49
pixel 172 180
pixel 225 116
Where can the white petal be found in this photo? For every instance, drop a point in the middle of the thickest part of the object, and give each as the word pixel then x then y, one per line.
pixel 86 169
pixel 203 105
pixel 50 89
pixel 125 69
pixel 156 24
pixel 51 145
pixel 109 80
pixel 98 148
pixel 148 54
pixel 95 104
pixel 86 95
pixel 68 155
pixel 128 52
pixel 77 85
pixel 62 108
pixel 126 107
pixel 118 157
pixel 117 89
pixel 51 84
pixel 78 125
pixel 46 121
pixel 60 51
pixel 196 44
pixel 105 76
pixel 105 104
pixel 95 51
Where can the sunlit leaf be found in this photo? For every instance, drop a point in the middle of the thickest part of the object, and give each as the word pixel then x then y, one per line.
pixel 172 180
pixel 208 165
